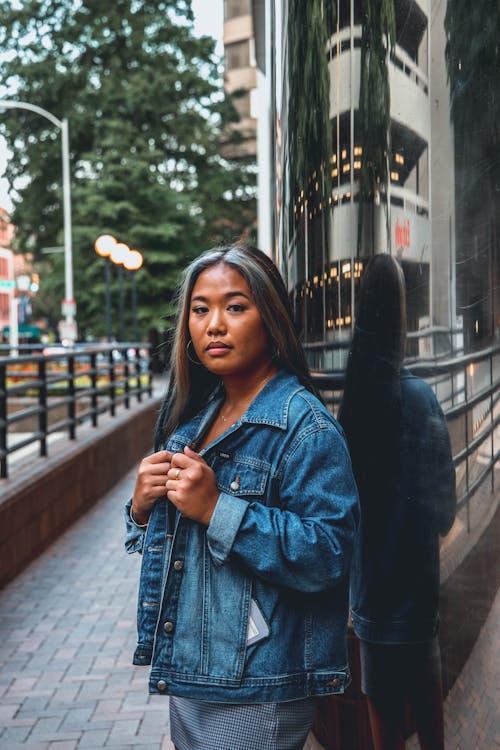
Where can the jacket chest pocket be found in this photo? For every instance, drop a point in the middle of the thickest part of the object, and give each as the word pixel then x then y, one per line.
pixel 239 475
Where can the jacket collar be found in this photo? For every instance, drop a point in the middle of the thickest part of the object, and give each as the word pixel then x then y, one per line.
pixel 269 407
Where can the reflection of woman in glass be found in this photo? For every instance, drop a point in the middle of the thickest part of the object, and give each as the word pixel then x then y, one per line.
pixel 402 462
pixel 243 598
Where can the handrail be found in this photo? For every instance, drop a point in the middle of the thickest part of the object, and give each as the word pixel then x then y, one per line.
pixel 92 380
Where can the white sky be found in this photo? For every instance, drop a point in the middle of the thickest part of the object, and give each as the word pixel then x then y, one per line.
pixel 208 22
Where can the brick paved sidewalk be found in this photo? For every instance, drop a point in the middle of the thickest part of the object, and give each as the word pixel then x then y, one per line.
pixel 67 633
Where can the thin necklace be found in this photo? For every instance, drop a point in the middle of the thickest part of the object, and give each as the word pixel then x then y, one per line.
pixel 224 417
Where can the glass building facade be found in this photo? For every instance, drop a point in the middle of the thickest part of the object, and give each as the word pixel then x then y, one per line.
pixel 362 159
pixel 381 136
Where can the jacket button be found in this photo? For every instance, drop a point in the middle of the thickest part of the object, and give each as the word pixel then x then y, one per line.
pixel 234 486
pixel 161 685
pixel 178 565
pixel 335 683
pixel 168 627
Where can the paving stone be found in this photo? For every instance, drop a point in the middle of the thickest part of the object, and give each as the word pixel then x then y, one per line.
pixel 13 734
pixel 47 726
pixel 77 718
pixel 94 737
pixel 8 711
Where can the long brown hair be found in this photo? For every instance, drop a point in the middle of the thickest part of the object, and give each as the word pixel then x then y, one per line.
pixel 191 384
pixel 370 412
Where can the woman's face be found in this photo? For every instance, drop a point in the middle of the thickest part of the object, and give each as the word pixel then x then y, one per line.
pixel 225 325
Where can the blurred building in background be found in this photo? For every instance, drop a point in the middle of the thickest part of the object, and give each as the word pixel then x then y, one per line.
pixel 18 284
pixel 7 282
pixel 240 140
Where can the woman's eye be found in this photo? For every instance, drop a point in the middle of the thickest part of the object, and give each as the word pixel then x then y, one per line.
pixel 236 308
pixel 199 310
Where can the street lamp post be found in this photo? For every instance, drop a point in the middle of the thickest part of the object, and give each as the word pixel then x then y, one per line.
pixel 132 263
pixel 121 302
pixel 120 254
pixel 103 246
pixel 69 307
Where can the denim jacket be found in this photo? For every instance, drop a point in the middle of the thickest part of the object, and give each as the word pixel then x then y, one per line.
pixel 395 570
pixel 253 608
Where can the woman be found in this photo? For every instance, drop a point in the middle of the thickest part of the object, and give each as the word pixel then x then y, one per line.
pixel 402 462
pixel 243 600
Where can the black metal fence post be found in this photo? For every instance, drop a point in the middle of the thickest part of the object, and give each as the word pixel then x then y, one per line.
pixel 42 403
pixel 71 395
pixel 93 380
pixel 3 421
pixel 126 374
pixel 112 387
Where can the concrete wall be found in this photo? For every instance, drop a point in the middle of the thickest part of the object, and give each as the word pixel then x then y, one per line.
pixel 46 495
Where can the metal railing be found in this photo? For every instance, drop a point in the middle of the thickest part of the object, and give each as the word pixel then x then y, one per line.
pixel 468 388
pixel 56 392
pixel 444 343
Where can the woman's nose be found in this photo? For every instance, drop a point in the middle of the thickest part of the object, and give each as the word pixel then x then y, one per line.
pixel 216 323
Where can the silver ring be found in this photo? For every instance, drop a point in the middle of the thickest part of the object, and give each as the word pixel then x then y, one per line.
pixel 177 473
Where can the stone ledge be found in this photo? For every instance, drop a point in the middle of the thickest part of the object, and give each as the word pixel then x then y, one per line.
pixel 47 494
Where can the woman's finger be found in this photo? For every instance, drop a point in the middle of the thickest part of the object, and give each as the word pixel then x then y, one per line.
pixel 192 454
pixel 174 473
pixel 180 461
pixel 155 470
pixel 159 457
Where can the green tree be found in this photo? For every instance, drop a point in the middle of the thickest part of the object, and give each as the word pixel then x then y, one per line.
pixel 145 107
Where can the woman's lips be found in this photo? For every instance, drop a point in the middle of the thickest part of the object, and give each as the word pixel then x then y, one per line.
pixel 217 349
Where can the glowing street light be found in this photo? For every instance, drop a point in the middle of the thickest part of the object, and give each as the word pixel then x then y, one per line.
pixel 119 253
pixel 133 261
pixel 122 256
pixel 104 245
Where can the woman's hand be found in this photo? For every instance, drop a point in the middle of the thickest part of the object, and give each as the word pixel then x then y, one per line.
pixel 150 484
pixel 192 486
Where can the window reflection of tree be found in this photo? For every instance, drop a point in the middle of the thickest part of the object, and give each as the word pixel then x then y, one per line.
pixel 378 40
pixel 473 62
pixel 310 24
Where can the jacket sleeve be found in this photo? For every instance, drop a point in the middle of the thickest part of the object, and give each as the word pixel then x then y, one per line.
pixel 134 539
pixel 304 541
pixel 443 472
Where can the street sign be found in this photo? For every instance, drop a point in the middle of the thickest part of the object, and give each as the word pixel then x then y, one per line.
pixel 68 308
pixel 67 331
pixel 7 284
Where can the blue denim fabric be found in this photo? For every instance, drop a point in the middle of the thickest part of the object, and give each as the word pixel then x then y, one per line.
pixel 281 534
pixel 395 576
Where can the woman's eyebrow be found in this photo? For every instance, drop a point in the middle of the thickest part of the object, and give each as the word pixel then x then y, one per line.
pixel 228 295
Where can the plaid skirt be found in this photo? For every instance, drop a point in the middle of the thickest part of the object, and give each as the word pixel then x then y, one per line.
pixel 199 725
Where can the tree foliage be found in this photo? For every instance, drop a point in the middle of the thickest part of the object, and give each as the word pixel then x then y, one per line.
pixel 310 136
pixel 145 107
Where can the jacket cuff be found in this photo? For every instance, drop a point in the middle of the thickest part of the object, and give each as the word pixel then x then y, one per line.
pixel 224 525
pixel 134 540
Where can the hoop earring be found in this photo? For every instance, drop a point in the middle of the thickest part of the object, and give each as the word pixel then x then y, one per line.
pixel 193 361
